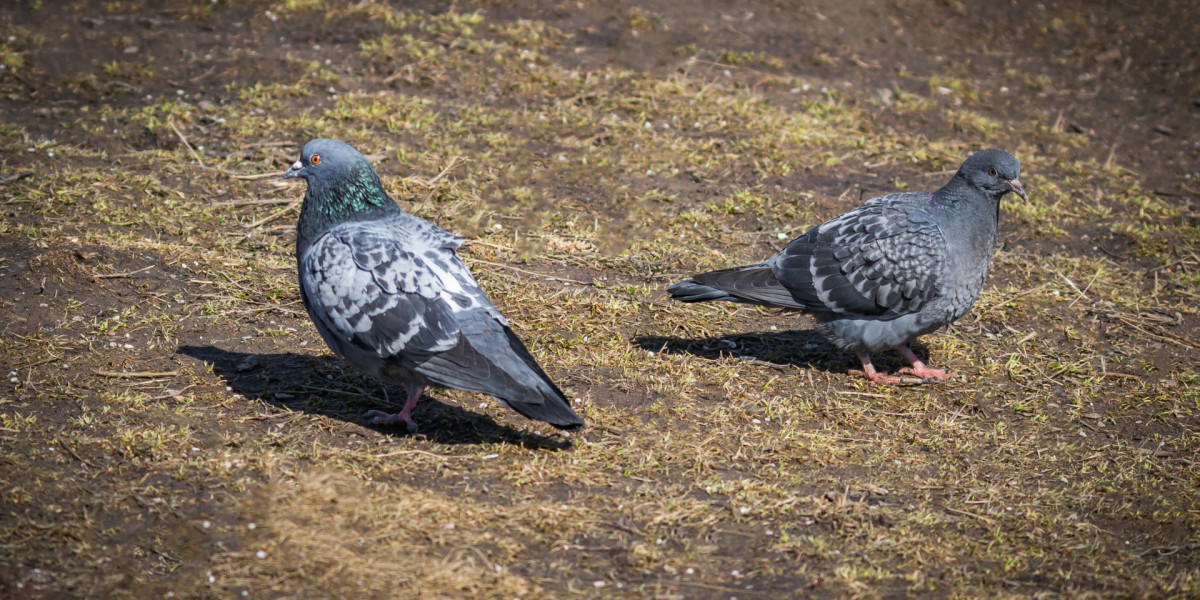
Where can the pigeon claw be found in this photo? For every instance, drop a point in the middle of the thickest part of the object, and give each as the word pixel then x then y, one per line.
pixel 918 368
pixel 928 374
pixel 877 377
pixel 378 417
pixel 868 371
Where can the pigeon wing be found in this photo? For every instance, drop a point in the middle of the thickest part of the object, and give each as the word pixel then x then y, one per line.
pixel 406 300
pixel 363 290
pixel 883 259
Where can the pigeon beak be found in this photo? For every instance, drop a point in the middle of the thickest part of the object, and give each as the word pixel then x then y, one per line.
pixel 1013 184
pixel 294 172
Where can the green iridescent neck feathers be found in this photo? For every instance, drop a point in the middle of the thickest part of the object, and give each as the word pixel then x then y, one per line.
pixel 342 187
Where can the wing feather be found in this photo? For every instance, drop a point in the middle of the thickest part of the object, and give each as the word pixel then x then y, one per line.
pixel 883 259
pixel 384 290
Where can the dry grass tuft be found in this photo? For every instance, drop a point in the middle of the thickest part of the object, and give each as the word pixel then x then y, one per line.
pixel 343 538
pixel 166 391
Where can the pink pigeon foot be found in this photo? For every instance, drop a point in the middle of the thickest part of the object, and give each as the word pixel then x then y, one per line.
pixel 868 371
pixel 379 417
pixel 918 368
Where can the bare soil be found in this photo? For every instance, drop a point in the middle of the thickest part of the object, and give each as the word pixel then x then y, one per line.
pixel 172 426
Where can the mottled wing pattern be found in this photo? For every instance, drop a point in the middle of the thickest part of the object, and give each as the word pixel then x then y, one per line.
pixel 385 290
pixel 883 259
pixel 373 286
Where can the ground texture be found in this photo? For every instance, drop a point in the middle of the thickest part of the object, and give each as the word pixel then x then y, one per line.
pixel 172 426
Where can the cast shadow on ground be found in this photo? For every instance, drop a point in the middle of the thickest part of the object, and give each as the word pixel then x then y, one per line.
pixel 797 348
pixel 318 385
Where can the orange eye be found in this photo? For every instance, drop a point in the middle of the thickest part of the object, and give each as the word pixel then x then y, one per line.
pixel 991 171
pixel 316 160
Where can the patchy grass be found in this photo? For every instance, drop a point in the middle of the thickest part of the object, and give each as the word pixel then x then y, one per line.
pixel 174 424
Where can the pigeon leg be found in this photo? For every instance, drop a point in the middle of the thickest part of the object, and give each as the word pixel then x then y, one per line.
pixel 378 417
pixel 868 371
pixel 918 368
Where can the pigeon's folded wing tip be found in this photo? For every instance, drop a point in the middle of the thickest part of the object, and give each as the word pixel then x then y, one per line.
pixel 575 426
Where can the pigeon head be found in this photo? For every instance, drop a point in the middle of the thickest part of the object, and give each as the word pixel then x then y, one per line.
pixel 324 159
pixel 341 183
pixel 995 172
pixel 342 186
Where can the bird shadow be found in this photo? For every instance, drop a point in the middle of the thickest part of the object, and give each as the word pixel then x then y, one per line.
pixel 796 348
pixel 317 385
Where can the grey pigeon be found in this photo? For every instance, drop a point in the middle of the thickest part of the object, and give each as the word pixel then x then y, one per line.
pixel 881 275
pixel 389 294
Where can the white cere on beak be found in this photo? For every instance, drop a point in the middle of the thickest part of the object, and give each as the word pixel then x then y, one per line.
pixel 297 166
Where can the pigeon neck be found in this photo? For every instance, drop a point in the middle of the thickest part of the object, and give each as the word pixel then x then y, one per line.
pixel 969 217
pixel 356 197
pixel 958 196
pixel 952 195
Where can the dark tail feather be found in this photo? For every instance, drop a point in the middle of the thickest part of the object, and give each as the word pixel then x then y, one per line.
pixel 752 284
pixel 690 291
pixel 554 408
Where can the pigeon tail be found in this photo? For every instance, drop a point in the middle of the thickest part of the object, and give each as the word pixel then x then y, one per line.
pixel 690 291
pixel 554 407
pixel 752 284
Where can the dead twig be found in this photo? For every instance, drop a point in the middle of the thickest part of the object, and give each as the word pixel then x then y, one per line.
pixel 15 177
pixel 955 417
pixel 125 274
pixel 253 202
pixel 195 155
pixel 173 394
pixel 433 183
pixel 1184 260
pixel 274 215
pixel 289 415
pixel 965 513
pixel 454 160
pixel 255 176
pixel 197 78
pixel 520 270
pixel 1165 336
pixel 1120 375
pixel 892 414
pixel 72 452
pixel 41 362
pixel 1112 151
pixel 1082 293
pixel 867 394
pixel 1022 294
pixel 421 452
pixel 489 245
pixel 1169 550
pixel 137 374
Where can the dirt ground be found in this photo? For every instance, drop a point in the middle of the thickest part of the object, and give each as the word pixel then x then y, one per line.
pixel 171 425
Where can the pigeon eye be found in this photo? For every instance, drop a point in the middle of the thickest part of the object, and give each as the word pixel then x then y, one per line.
pixel 991 171
pixel 316 160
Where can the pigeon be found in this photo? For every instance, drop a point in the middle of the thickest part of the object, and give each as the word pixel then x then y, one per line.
pixel 388 294
pixel 897 267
